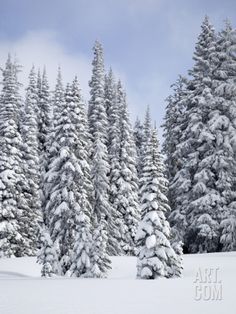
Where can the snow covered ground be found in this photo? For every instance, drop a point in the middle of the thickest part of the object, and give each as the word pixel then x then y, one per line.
pixel 22 291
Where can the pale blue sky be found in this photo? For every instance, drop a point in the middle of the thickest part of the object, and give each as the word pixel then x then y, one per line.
pixel 147 42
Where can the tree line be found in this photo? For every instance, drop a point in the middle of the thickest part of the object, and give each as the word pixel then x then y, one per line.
pixel 79 184
pixel 200 145
pixel 73 188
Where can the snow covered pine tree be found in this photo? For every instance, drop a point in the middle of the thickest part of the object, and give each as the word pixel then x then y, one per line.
pixel 47 255
pixel 126 202
pixel 156 257
pixel 12 178
pixel 29 128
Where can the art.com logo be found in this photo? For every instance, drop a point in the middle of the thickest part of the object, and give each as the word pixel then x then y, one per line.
pixel 207 285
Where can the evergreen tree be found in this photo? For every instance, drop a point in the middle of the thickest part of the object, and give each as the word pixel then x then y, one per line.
pixel 47 256
pixel 100 261
pixel 147 129
pixel 202 136
pixel 228 226
pixel 113 246
pixel 69 177
pixel 173 126
pixel 139 140
pixel 81 216
pixel 98 126
pixel 176 243
pixel 51 143
pixel 97 115
pixel 31 216
pixel 175 150
pixel 222 123
pixel 177 174
pixel 12 178
pixel 99 170
pixel 147 126
pixel 45 119
pixel 81 253
pixel 109 93
pixel 156 257
pixel 126 203
pixel 195 199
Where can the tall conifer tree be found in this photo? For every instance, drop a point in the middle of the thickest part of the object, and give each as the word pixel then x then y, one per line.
pixel 126 202
pixel 156 257
pixel 12 179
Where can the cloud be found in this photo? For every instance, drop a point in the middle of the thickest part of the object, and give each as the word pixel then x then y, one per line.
pixel 42 48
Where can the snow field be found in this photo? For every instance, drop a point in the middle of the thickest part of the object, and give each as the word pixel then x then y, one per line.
pixel 22 291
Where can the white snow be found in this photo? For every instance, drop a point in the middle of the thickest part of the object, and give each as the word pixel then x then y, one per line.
pixel 151 241
pixel 23 292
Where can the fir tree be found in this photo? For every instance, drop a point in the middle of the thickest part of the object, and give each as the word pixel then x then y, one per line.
pixel 109 93
pixel 69 178
pixel 139 142
pixel 31 216
pixel 178 176
pixel 45 119
pixel 98 127
pixel 12 178
pixel 51 144
pixel 179 179
pixel 173 126
pixel 195 199
pixel 81 215
pixel 222 123
pixel 100 261
pixel 228 226
pixel 156 257
pixel 113 246
pixel 147 126
pixel 99 172
pixel 176 243
pixel 205 199
pixel 126 202
pixel 47 256
pixel 81 253
pixel 97 115
pixel 147 129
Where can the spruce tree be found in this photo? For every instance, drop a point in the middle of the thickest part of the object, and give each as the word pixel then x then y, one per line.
pixel 12 178
pixel 147 129
pixel 31 216
pixel 100 261
pixel 194 196
pixel 174 149
pixel 109 93
pixel 173 126
pixel 113 246
pixel 147 126
pixel 97 115
pixel 99 172
pixel 98 126
pixel 69 178
pixel 176 243
pixel 126 203
pixel 81 253
pixel 139 140
pixel 51 144
pixel 47 255
pixel 205 199
pixel 228 229
pixel 45 119
pixel 175 123
pixel 156 257
pixel 81 216
pixel 222 123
